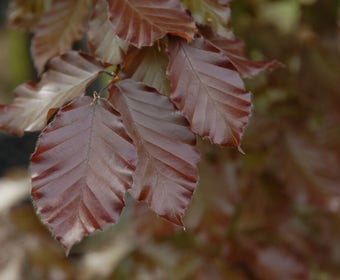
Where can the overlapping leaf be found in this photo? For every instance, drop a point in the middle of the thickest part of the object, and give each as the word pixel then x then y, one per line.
pixel 233 49
pixel 81 169
pixel 148 65
pixel 166 173
pixel 141 22
pixel 25 14
pixel 208 90
pixel 58 28
pixel 212 12
pixel 105 43
pixel 67 77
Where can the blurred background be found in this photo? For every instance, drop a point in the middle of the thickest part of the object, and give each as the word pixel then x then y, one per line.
pixel 273 213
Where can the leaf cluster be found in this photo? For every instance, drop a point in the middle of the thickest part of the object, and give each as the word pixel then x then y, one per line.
pixel 176 72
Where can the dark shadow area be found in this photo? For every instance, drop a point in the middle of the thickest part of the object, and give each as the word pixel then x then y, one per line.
pixel 16 151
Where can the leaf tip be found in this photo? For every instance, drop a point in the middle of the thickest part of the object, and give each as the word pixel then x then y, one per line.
pixel 69 239
pixel 67 250
pixel 274 64
pixel 176 219
pixel 240 150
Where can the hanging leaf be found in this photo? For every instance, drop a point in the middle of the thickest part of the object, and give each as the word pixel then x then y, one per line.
pixel 66 78
pixel 233 49
pixel 212 12
pixel 58 28
pixel 141 22
pixel 25 14
pixel 81 169
pixel 166 174
pixel 208 91
pixel 148 65
pixel 105 44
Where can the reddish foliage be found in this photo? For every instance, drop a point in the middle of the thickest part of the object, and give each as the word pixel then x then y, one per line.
pixel 83 190
pixel 95 150
pixel 209 92
pixel 141 22
pixel 166 173
pixel 57 29
pixel 67 77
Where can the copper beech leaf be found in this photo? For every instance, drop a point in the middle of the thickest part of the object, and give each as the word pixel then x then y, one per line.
pixel 104 44
pixel 141 22
pixel 148 65
pixel 81 169
pixel 233 49
pixel 66 78
pixel 58 28
pixel 166 173
pixel 208 91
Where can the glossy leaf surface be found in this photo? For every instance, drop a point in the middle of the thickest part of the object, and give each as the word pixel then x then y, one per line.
pixel 66 78
pixel 166 173
pixel 208 91
pixel 105 44
pixel 81 169
pixel 273 214
pixel 141 22
pixel 57 29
